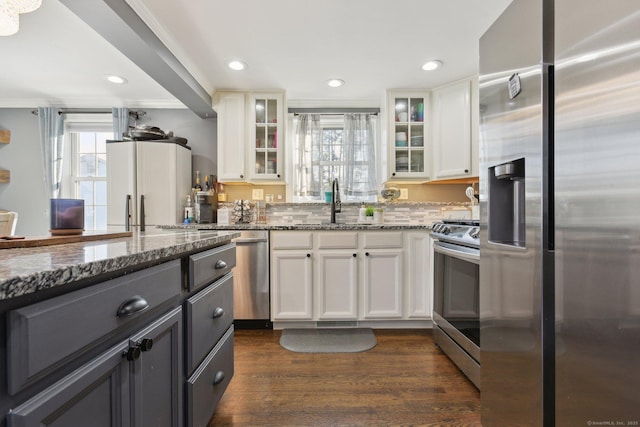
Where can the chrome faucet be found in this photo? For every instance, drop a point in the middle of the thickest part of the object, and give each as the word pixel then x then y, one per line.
pixel 336 206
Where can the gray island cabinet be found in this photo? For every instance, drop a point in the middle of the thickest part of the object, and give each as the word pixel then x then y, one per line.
pixel 147 344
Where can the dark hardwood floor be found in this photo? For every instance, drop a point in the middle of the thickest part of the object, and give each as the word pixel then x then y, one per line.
pixel 404 380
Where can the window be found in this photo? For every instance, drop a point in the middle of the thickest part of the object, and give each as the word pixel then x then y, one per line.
pixel 322 154
pixel 89 175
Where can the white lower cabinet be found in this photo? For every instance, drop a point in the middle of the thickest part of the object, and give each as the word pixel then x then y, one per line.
pixel 383 284
pixel 337 285
pixel 350 275
pixel 419 273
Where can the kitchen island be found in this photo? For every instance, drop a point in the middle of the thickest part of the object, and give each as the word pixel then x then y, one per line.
pixel 89 331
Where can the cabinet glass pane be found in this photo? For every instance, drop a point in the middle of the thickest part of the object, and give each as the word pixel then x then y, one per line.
pixel 272 137
pixel 260 110
pixel 402 161
pixel 417 161
pixel 272 111
pixel 401 135
pixel 416 110
pixel 260 162
pixel 260 136
pixel 402 109
pixel 272 162
pixel 416 138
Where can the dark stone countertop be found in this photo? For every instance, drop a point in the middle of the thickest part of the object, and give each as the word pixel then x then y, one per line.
pixel 27 270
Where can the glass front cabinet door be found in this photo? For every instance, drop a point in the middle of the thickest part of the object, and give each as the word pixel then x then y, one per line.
pixel 266 137
pixel 408 135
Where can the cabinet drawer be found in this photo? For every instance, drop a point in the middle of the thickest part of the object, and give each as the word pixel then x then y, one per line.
pixel 291 240
pixel 209 315
pixel 207 266
pixel 208 383
pixel 382 240
pixel 337 240
pixel 43 335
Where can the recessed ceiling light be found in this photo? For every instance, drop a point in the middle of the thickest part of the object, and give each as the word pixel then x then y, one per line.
pixel 116 79
pixel 335 82
pixel 237 65
pixel 432 65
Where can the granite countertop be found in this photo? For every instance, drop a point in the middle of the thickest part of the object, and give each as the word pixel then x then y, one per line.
pixel 302 226
pixel 27 270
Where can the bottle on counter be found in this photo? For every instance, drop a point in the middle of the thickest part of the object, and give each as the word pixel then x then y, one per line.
pixel 188 210
pixel 207 186
pixel 197 187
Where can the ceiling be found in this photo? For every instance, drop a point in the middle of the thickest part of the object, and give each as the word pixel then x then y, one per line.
pixel 289 45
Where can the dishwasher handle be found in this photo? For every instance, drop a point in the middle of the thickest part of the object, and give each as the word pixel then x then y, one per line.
pixel 245 240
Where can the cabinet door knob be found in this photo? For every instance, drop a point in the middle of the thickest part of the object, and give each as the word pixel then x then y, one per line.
pixel 355 255
pixel 278 175
pixel 218 378
pixel 220 264
pixel 132 353
pixel 308 255
pixel 132 306
pixel 366 253
pixel 393 174
pixel 466 171
pixel 242 176
pixel 218 312
pixel 145 344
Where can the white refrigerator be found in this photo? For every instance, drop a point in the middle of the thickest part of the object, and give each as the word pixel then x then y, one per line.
pixel 147 183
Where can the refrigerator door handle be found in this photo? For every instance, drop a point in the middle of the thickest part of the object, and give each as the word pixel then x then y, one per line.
pixel 127 213
pixel 141 212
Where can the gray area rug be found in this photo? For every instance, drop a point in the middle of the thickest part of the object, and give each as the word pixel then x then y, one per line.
pixel 348 340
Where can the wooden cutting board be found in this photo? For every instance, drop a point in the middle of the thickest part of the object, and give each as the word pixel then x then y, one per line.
pixel 32 242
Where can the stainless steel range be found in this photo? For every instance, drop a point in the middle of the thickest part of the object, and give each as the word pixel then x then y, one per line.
pixel 456 313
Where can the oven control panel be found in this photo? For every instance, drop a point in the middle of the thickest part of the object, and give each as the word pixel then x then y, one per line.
pixel 461 232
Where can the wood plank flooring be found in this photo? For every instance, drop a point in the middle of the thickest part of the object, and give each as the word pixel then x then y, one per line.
pixel 405 380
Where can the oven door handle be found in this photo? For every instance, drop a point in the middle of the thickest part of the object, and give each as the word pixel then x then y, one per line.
pixel 472 256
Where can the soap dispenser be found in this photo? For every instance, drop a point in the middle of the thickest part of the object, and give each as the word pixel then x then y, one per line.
pixel 362 213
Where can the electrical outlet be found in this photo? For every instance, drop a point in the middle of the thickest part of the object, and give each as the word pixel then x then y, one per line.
pixel 257 194
pixel 404 194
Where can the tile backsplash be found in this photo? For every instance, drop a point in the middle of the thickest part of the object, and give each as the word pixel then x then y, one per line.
pixel 395 213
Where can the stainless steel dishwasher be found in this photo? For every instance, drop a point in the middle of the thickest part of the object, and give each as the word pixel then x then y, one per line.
pixel 251 281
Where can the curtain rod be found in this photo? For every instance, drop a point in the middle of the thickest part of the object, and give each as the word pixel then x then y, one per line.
pixel 136 114
pixel 334 111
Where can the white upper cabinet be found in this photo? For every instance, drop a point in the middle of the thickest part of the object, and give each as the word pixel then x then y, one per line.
pixel 265 136
pixel 250 136
pixel 230 107
pixel 452 132
pixel 408 131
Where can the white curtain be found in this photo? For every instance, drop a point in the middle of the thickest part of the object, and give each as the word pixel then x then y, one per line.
pixel 360 155
pixel 52 144
pixel 120 122
pixel 308 151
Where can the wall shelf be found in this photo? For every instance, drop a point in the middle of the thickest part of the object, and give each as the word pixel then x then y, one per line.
pixel 5 136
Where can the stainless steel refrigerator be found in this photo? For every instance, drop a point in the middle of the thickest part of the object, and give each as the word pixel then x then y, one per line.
pixel 560 214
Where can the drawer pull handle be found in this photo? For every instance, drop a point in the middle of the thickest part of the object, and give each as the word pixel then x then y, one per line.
pixel 218 312
pixel 132 306
pixel 220 264
pixel 132 353
pixel 145 344
pixel 218 378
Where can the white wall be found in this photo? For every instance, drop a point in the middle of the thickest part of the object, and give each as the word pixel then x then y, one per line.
pixel 26 193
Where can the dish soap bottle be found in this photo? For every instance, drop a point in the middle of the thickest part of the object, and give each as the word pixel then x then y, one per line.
pixel 362 213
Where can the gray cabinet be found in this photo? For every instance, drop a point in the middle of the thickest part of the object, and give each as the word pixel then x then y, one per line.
pixel 44 335
pixel 114 391
pixel 113 353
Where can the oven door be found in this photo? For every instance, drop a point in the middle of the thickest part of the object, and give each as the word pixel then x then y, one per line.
pixel 457 294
